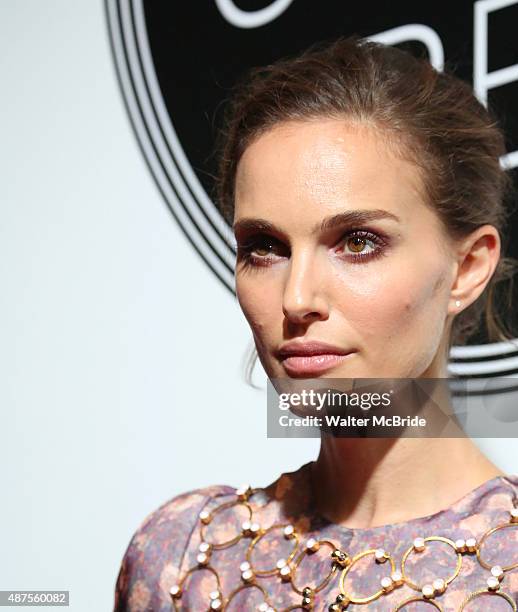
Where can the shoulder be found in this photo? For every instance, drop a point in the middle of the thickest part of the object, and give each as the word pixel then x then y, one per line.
pixel 154 554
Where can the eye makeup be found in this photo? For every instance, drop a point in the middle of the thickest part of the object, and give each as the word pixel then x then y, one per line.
pixel 248 249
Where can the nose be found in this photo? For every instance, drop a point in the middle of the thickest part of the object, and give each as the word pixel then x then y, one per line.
pixel 303 299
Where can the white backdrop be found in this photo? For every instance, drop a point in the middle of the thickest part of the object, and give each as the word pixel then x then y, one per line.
pixel 121 354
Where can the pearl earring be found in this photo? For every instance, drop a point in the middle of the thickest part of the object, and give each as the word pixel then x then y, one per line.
pixel 457 303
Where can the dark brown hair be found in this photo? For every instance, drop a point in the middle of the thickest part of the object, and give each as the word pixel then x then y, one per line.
pixel 432 117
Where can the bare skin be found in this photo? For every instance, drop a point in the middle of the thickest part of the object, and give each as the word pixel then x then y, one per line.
pixel 394 308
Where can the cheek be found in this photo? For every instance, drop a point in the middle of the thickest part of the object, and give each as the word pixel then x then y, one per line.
pixel 385 304
pixel 259 300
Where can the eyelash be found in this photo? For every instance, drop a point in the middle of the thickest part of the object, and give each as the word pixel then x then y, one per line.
pixel 245 250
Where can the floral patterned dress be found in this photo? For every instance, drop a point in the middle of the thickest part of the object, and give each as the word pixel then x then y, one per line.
pixel 222 548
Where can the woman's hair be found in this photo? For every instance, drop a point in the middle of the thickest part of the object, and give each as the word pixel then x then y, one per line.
pixel 432 117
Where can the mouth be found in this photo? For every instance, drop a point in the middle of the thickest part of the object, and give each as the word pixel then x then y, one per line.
pixel 310 357
pixel 312 365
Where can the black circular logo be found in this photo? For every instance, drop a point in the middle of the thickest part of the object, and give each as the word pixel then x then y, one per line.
pixel 177 60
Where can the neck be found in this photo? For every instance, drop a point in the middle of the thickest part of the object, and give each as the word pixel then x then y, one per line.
pixel 366 482
pixel 362 483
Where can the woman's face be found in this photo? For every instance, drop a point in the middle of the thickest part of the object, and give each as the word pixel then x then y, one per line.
pixel 336 245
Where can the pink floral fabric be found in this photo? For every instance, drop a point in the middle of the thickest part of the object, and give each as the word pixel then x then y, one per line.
pixel 167 543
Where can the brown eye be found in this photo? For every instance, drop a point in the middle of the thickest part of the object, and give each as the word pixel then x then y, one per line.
pixel 356 244
pixel 361 245
pixel 263 249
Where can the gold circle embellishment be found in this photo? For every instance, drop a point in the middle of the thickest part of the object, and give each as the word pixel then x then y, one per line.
pixel 270 572
pixel 325 581
pixel 190 572
pixel 362 600
pixel 485 564
pixel 476 594
pixel 236 538
pixel 447 581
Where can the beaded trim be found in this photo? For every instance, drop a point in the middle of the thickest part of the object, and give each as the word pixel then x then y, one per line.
pixel 340 563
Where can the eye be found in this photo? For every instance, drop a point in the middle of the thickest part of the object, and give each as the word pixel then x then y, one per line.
pixel 258 250
pixel 263 249
pixel 361 244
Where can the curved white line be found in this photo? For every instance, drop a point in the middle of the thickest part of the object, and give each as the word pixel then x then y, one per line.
pixel 509 160
pixel 415 31
pixel 172 139
pixel 469 385
pixel 251 19
pixel 149 152
pixel 484 350
pixel 186 197
pixel 487 367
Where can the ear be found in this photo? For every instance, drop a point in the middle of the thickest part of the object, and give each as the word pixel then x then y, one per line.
pixel 477 257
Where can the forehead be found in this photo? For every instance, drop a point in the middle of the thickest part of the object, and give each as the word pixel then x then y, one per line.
pixel 298 172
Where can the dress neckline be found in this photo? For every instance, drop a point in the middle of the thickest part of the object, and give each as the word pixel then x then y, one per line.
pixel 507 484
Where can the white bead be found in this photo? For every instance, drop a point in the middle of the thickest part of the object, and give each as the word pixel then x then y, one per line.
pixel 285 571
pixel 439 585
pixel 204 547
pixel 493 583
pixel 471 542
pixel 174 590
pixel 380 555
pixel 244 566
pixel 202 558
pixel 263 607
pixel 246 525
pixel 312 544
pixel 460 545
pixel 386 582
pixel 204 515
pixel 215 604
pixel 254 527
pixel 214 595
pixel 396 576
pixel 281 563
pixel 497 571
pixel 247 574
pixel 427 590
pixel 514 514
pixel 419 544
pixel 288 530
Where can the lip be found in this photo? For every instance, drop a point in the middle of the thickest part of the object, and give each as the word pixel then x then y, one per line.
pixel 311 357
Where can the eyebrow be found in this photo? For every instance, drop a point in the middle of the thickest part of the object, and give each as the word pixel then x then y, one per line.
pixel 350 217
